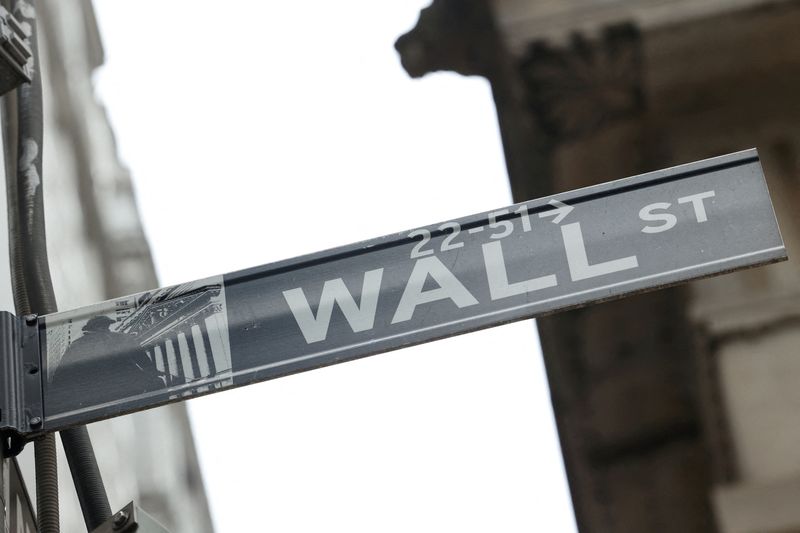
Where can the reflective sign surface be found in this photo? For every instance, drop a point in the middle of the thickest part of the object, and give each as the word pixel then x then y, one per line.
pixel 521 261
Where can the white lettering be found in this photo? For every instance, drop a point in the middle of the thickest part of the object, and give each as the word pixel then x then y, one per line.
pixel 579 267
pixel 496 272
pixel 669 220
pixel 449 288
pixel 697 203
pixel 360 318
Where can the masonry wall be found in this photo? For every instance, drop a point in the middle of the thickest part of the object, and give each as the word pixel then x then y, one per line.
pixel 677 410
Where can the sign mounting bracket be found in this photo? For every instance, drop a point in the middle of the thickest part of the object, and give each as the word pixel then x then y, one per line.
pixel 21 400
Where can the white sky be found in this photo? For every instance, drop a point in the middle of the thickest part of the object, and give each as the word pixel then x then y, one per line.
pixel 257 131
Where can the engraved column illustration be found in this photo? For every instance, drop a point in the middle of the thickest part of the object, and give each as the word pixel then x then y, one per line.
pixel 172 341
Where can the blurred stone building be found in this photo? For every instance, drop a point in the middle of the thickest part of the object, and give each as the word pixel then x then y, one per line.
pixel 98 251
pixel 678 410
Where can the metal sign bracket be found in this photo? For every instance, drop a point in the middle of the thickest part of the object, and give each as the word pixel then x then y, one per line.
pixel 21 400
pixel 130 519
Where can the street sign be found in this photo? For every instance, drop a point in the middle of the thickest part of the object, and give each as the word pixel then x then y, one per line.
pixel 526 260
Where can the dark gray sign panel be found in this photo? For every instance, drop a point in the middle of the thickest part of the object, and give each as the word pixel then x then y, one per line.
pixel 521 261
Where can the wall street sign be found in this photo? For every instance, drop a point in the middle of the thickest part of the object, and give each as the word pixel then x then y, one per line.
pixel 523 261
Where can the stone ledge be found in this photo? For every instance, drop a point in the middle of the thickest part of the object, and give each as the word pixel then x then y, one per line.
pixel 522 21
pixel 762 508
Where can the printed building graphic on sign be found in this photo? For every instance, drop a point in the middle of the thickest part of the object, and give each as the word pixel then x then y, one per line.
pixel 168 342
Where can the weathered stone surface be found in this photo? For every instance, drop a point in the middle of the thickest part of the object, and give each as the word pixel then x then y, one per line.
pixel 576 90
pixel 656 404
pixel 759 507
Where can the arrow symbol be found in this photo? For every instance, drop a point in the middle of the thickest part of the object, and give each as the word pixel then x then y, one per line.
pixel 561 210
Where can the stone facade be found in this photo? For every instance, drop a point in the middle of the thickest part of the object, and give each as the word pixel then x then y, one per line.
pixel 677 410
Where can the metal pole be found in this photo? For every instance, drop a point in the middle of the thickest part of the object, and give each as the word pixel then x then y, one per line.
pixel 23 120
pixel 33 287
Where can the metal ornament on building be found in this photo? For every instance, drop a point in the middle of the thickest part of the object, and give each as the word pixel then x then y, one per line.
pixel 526 260
pixel 15 53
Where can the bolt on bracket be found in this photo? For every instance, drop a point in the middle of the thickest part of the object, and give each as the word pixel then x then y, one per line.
pixel 130 519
